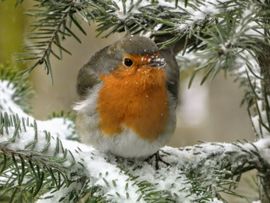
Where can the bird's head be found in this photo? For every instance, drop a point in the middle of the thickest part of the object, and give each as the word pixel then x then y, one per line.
pixel 132 59
pixel 137 55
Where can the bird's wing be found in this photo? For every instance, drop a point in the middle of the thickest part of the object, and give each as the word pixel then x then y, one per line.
pixel 172 68
pixel 101 62
pixel 172 72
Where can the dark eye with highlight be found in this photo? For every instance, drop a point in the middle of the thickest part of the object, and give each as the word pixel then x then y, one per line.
pixel 128 62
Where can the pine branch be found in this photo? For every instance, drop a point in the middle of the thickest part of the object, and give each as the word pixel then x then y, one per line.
pixel 264 62
pixel 86 171
pixel 170 22
pixel 239 44
pixel 212 165
pixel 223 35
pixel 65 170
pixel 35 162
pixel 31 175
pixel 19 84
pixel 214 26
pixel 53 21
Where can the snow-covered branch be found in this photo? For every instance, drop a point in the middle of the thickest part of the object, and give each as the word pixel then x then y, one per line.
pixel 43 151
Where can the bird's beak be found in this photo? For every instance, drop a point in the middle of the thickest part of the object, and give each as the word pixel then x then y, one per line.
pixel 157 62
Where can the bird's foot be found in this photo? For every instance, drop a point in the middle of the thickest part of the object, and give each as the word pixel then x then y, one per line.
pixel 158 159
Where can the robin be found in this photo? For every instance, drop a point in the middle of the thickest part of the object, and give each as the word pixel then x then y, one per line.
pixel 129 93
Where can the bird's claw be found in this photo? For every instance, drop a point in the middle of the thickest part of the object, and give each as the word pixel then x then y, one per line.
pixel 157 160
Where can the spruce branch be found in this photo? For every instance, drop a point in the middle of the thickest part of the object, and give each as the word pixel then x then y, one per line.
pixel 239 44
pixel 135 180
pixel 223 35
pixel 215 26
pixel 52 25
pixel 197 173
pixel 170 22
pixel 264 62
pixel 32 174
pixel 23 91
pixel 26 169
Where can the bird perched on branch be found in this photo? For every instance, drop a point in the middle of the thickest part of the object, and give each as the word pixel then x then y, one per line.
pixel 129 94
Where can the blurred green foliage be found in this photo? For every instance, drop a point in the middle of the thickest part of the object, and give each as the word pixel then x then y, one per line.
pixel 12 25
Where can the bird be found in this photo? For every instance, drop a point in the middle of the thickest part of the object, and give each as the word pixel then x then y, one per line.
pixel 128 97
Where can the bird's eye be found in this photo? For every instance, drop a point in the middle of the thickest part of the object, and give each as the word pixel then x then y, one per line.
pixel 128 62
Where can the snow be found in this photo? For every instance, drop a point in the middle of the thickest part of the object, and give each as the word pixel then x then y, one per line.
pixel 192 14
pixel 96 167
pixel 248 64
pixel 263 146
pixel 7 104
pixel 7 92
pixel 260 129
pixel 102 169
pixel 247 26
pixel 130 7
pixel 208 8
pixel 248 68
pixel 124 180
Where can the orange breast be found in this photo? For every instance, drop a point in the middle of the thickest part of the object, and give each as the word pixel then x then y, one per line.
pixel 136 98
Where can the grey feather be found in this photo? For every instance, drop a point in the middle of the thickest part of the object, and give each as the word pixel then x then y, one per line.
pixel 172 72
pixel 101 62
pixel 138 45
